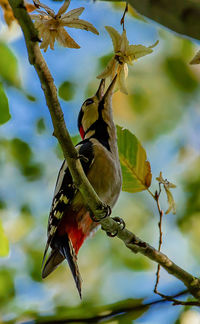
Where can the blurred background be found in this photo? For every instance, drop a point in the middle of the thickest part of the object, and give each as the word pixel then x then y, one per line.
pixel 162 110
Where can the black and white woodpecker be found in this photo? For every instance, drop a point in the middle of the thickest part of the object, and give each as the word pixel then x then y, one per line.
pixel 69 220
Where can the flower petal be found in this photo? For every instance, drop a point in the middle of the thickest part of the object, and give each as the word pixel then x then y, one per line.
pixel 46 41
pixel 75 13
pixel 80 24
pixel 122 77
pixel 63 8
pixel 109 70
pixel 115 36
pixel 64 39
pixel 124 43
pixel 137 51
pixel 52 39
pixel 41 5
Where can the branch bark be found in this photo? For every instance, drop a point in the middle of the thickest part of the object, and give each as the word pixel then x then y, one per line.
pixel 98 209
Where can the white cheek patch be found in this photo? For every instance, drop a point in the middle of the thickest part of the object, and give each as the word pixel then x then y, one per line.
pixel 90 116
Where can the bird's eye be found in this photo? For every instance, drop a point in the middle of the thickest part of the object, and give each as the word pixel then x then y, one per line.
pixel 89 102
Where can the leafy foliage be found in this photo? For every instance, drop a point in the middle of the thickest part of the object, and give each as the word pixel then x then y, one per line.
pixel 180 74
pixel 4 108
pixel 66 90
pixel 40 125
pixel 8 66
pixel 136 170
pixel 4 245
pixel 20 153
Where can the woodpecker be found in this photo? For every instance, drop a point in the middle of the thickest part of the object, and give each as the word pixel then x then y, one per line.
pixel 69 220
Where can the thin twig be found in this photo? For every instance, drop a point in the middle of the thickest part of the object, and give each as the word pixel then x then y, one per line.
pixel 166 297
pixel 122 21
pixel 112 314
pixel 157 195
pixel 178 302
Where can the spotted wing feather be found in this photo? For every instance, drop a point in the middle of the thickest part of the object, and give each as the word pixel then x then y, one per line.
pixel 65 190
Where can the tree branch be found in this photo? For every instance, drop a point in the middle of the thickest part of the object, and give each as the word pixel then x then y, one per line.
pixel 91 199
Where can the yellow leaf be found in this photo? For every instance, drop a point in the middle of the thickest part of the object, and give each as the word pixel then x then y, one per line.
pixel 136 170
pixel 4 245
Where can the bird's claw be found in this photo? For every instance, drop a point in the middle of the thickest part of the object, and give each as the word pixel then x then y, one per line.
pixel 108 213
pixel 121 222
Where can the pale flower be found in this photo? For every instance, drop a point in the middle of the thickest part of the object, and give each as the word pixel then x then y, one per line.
pixel 124 54
pixel 51 26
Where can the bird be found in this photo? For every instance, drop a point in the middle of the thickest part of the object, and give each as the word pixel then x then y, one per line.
pixel 70 222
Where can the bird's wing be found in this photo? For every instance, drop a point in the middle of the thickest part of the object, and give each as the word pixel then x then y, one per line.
pixel 65 190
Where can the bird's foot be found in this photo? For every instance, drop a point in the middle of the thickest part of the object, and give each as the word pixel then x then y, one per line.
pixel 121 222
pixel 108 213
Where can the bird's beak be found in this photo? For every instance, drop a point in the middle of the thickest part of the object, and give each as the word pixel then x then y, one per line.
pixel 100 90
pixel 109 91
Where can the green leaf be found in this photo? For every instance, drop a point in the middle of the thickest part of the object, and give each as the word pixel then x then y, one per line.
pixel 178 71
pixel 8 66
pixel 40 125
pixel 136 170
pixel 66 90
pixel 32 171
pixel 4 245
pixel 4 108
pixel 21 152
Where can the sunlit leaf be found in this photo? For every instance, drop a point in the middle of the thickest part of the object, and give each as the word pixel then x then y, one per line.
pixel 4 244
pixel 136 170
pixel 66 91
pixel 4 107
pixel 8 66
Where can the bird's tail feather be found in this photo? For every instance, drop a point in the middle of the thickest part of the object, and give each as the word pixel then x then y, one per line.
pixel 63 250
pixel 54 259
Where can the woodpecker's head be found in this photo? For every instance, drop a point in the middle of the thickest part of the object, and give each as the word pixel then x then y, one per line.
pixel 90 116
